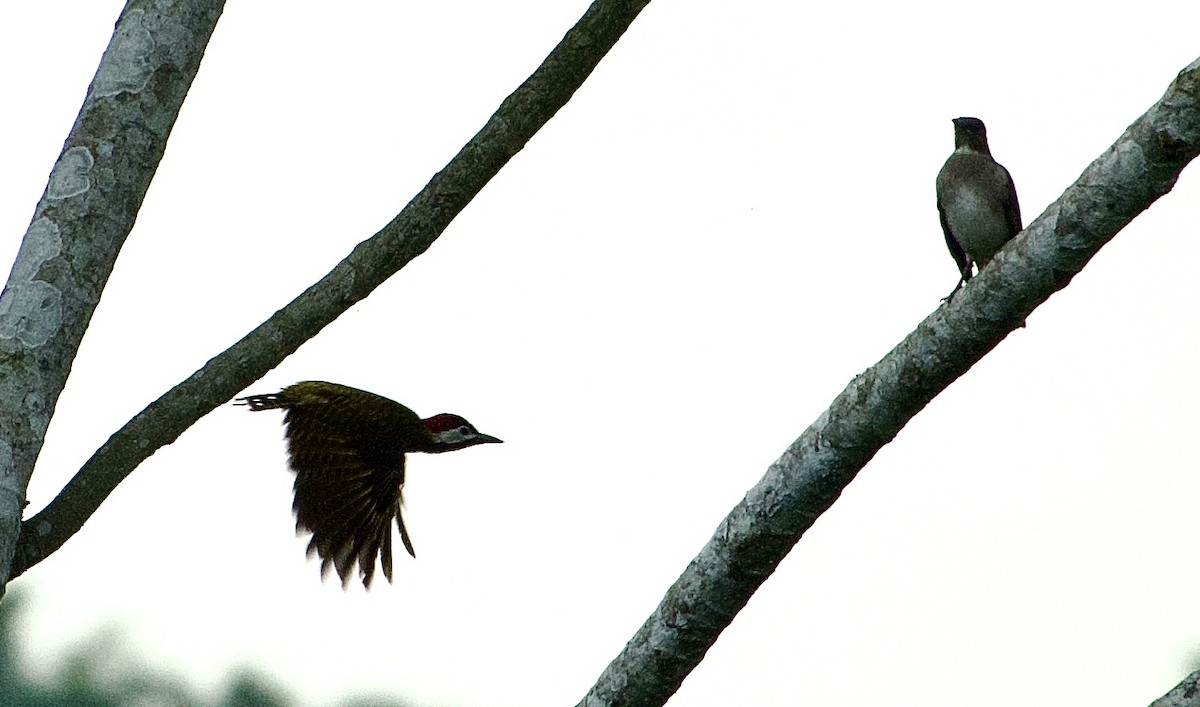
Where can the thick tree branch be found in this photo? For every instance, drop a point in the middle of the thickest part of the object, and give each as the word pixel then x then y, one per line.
pixel 747 546
pixel 85 214
pixel 1185 694
pixel 519 117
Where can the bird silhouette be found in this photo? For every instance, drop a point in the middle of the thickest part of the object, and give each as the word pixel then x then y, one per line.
pixel 346 447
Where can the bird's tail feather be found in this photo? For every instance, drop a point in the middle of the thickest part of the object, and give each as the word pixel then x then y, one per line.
pixel 270 401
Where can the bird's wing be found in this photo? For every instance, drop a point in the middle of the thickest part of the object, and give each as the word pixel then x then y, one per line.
pixel 1013 211
pixel 349 466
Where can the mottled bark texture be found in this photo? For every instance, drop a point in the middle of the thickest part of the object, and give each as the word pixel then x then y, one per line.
pixel 408 235
pixel 89 206
pixel 1185 694
pixel 1139 168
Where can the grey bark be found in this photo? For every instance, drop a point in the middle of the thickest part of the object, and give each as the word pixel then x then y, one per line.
pixel 86 212
pixel 1141 166
pixel 1185 694
pixel 408 235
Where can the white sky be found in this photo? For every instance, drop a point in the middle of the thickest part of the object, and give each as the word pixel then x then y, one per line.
pixel 731 219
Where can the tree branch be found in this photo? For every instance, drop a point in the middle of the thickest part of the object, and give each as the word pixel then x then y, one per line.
pixel 85 214
pixel 756 535
pixel 408 235
pixel 1185 694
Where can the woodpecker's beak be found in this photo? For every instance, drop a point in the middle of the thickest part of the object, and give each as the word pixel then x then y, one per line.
pixel 481 438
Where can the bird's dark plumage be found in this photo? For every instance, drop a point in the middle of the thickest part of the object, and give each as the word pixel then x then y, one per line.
pixel 347 449
pixel 976 200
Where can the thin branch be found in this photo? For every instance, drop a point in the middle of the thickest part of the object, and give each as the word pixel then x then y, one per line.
pixel 85 214
pixel 752 540
pixel 519 117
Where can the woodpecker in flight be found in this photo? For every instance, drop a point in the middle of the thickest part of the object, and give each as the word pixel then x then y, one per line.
pixel 346 447
pixel 976 200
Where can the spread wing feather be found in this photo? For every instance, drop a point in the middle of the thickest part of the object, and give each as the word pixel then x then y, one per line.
pixel 346 447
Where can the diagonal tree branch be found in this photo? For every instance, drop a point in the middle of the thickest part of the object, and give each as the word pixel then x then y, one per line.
pixel 408 235
pixel 756 535
pixel 85 214
pixel 1185 694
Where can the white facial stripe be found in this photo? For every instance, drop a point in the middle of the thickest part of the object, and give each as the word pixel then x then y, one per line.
pixel 455 435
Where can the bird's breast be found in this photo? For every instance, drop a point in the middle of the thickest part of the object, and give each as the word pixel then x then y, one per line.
pixel 978 224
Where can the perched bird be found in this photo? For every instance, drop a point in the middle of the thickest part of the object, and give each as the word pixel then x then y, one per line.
pixel 347 449
pixel 976 200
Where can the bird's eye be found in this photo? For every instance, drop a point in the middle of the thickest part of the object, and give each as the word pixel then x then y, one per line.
pixel 465 431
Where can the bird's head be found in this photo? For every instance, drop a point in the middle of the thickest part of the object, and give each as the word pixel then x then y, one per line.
pixel 451 432
pixel 970 133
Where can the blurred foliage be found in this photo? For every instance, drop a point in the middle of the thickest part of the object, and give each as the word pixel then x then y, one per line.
pixel 101 672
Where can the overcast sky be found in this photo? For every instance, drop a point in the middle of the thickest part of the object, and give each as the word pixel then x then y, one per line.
pixel 731 219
